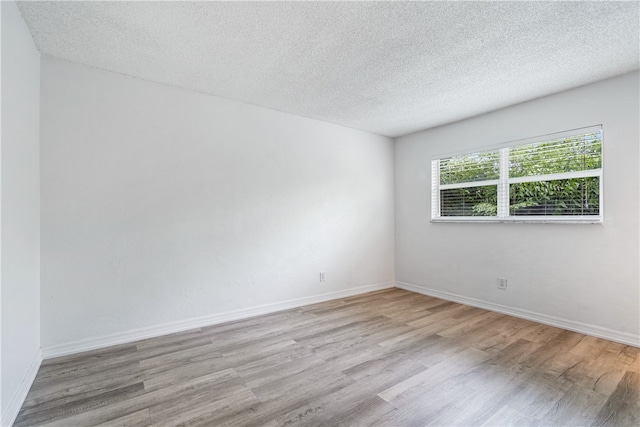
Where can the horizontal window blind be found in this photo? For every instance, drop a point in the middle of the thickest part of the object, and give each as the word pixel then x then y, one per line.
pixel 470 167
pixel 579 153
pixel 472 201
pixel 551 178
pixel 565 197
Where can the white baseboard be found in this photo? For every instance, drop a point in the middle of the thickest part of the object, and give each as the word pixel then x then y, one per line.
pixel 213 319
pixel 10 414
pixel 583 328
pixel 193 323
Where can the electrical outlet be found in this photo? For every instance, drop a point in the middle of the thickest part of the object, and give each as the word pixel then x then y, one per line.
pixel 502 283
pixel 322 276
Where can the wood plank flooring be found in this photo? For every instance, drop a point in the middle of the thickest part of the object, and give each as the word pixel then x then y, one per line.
pixel 387 358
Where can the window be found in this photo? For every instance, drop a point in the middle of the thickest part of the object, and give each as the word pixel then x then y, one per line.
pixel 553 178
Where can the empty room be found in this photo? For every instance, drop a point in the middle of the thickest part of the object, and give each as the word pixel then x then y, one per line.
pixel 320 213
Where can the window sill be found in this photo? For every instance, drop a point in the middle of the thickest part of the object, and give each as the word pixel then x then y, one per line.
pixel 521 220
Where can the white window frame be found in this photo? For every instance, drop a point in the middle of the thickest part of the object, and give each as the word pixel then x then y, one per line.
pixel 505 181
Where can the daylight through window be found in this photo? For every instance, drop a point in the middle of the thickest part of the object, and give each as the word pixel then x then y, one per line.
pixel 551 178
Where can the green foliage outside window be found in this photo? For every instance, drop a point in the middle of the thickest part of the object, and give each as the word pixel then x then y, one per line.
pixel 566 155
pixel 574 196
pixel 470 167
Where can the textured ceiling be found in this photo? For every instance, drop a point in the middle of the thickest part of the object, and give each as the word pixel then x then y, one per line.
pixel 386 67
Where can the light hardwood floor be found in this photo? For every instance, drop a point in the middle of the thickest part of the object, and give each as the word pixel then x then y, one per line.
pixel 389 358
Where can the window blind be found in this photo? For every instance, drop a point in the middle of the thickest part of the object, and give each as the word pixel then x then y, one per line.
pixel 552 178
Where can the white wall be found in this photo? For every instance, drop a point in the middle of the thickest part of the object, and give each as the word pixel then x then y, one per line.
pixel 586 274
pixel 20 256
pixel 160 204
